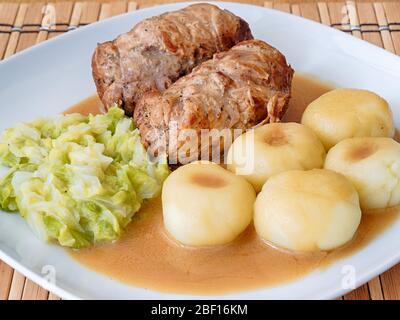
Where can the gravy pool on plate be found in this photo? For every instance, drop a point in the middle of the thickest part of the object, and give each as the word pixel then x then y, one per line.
pixel 147 257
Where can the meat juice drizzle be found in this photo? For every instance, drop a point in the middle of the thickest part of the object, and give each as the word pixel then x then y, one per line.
pixel 148 258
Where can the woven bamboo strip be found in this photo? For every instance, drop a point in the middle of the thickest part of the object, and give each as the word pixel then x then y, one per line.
pixel 310 11
pixel 360 293
pixel 119 7
pixel 33 292
pixel 13 40
pixel 391 283
pixel 76 15
pixel 268 4
pixel 324 13
pixel 132 6
pixel 6 273
pixel 111 9
pixel 393 14
pixel 369 23
pixel 105 11
pixel 382 21
pixel 353 17
pixel 392 10
pixel 52 296
pixel 90 12
pixel 48 20
pixel 375 289
pixel 63 17
pixel 8 13
pixel 285 7
pixel 17 286
pixel 143 5
pixel 30 28
pixel 338 15
pixel 296 10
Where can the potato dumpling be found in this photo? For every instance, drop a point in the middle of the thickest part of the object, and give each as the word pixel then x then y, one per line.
pixel 347 113
pixel 307 210
pixel 205 205
pixel 277 147
pixel 373 166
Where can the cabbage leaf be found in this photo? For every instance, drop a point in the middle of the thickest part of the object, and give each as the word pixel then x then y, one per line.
pixel 78 180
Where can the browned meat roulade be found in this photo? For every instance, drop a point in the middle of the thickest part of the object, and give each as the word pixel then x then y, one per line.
pixel 237 89
pixel 159 50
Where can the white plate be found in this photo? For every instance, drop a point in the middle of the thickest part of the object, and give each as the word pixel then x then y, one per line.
pixel 52 76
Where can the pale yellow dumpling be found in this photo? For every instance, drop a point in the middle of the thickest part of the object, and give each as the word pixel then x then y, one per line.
pixel 373 166
pixel 273 148
pixel 348 113
pixel 307 210
pixel 206 205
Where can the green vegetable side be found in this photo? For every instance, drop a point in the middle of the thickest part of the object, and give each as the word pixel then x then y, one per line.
pixel 76 179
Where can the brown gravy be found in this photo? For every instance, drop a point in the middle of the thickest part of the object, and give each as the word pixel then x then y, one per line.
pixel 148 258
pixel 90 105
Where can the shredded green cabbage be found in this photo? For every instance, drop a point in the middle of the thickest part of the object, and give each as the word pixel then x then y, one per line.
pixel 76 179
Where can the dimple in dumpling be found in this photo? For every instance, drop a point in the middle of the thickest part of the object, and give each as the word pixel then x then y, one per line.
pixel 206 205
pixel 307 210
pixel 277 147
pixel 373 166
pixel 346 113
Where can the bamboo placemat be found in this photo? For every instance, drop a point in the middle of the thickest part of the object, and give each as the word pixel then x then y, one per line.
pixel 25 24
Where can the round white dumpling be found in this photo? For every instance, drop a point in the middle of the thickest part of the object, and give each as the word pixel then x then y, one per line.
pixel 347 113
pixel 273 148
pixel 206 205
pixel 307 210
pixel 373 166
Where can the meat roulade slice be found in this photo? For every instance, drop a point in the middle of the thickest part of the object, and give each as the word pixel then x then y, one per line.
pixel 161 49
pixel 237 89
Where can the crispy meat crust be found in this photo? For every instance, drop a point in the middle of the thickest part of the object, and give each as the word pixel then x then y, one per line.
pixel 161 49
pixel 237 89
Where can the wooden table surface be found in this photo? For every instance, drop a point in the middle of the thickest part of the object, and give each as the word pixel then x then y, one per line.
pixel 376 22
